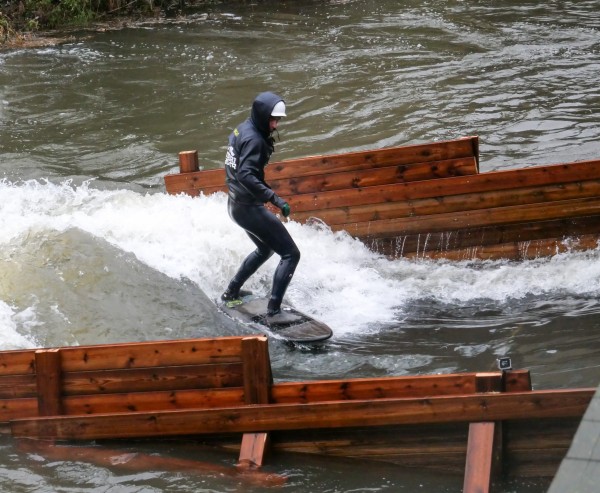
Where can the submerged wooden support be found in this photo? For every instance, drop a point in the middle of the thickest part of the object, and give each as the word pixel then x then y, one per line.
pixel 135 461
pixel 484 446
pixel 257 389
pixel 483 456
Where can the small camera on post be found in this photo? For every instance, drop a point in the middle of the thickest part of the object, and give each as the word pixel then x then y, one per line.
pixel 504 364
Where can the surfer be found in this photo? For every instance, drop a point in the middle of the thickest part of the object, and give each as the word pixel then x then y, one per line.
pixel 250 147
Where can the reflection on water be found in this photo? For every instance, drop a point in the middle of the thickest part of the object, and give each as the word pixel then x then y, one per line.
pixel 87 255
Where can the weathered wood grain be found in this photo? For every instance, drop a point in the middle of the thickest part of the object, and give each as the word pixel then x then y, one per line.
pixel 270 417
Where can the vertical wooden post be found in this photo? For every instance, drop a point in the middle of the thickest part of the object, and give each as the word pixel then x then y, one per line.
pixel 484 446
pixel 475 145
pixel 257 390
pixel 257 370
pixel 488 382
pixel 517 381
pixel 188 161
pixel 48 377
pixel 483 456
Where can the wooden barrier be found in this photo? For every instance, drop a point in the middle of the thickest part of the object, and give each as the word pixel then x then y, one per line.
pixel 120 377
pixel 152 376
pixel 430 200
pixel 314 415
pixel 340 171
pixel 222 388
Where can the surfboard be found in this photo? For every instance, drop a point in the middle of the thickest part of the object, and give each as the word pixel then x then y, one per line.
pixel 290 325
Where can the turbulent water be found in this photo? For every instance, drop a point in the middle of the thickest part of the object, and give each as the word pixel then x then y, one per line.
pixel 92 249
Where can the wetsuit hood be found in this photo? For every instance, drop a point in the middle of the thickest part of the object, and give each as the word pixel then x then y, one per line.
pixel 261 111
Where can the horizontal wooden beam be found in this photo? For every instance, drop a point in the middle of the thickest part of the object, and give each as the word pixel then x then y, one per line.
pixel 374 158
pixel 91 402
pixel 543 236
pixel 131 355
pixel 452 204
pixel 271 417
pixel 518 250
pixel 373 177
pixel 471 219
pixel 381 388
pixel 153 379
pixel 493 181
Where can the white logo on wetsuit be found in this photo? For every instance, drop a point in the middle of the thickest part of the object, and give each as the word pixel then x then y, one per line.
pixel 230 158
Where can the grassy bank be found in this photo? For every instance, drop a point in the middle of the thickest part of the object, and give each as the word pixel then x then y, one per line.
pixel 24 19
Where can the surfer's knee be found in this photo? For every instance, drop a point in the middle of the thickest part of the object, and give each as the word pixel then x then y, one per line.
pixel 263 253
pixel 292 255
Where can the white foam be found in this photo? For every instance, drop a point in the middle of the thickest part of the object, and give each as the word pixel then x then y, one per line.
pixel 338 279
pixel 10 336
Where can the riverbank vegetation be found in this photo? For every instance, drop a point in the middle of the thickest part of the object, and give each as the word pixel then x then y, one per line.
pixel 23 19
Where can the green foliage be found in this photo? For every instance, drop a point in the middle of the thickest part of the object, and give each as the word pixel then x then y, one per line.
pixel 52 14
pixel 33 15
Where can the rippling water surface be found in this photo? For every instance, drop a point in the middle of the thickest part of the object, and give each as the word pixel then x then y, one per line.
pixel 92 250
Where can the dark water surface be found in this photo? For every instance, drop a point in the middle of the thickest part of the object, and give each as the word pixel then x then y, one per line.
pixel 93 251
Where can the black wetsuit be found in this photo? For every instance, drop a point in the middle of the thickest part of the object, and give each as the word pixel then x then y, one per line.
pixel 250 148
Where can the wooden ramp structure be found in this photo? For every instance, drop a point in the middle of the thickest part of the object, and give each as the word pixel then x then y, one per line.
pixel 221 392
pixel 430 200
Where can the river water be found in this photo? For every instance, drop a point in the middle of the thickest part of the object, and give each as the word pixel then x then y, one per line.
pixel 92 249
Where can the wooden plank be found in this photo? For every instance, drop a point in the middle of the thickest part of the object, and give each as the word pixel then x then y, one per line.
pixel 508 240
pixel 153 379
pixel 470 219
pixel 48 378
pixel 373 158
pixel 17 362
pixel 269 417
pixel 373 177
pixel 152 353
pixel 128 402
pixel 493 181
pixel 151 401
pixel 18 408
pixel 483 457
pixel 373 388
pixel 452 204
pixel 520 250
pixel 254 449
pixel 18 386
pixel 191 183
pixel 257 384
pixel 130 355
pixel 440 447
pixel 536 448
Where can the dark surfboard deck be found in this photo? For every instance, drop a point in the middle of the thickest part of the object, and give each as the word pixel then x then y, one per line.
pixel 290 325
